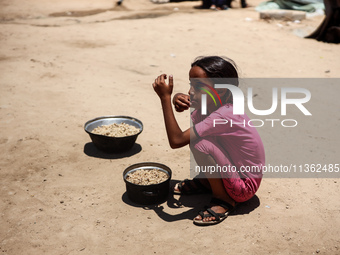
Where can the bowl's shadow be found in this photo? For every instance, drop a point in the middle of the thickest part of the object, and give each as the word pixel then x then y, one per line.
pixel 91 150
pixel 194 203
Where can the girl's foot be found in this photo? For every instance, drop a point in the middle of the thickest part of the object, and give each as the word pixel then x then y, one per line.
pixel 191 187
pixel 216 213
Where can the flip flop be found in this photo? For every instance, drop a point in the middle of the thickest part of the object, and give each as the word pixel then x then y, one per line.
pixel 219 217
pixel 190 189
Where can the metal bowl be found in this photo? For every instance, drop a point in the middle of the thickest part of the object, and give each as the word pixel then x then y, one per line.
pixel 148 194
pixel 113 144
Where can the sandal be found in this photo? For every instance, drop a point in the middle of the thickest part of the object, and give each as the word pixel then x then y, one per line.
pixel 219 217
pixel 188 189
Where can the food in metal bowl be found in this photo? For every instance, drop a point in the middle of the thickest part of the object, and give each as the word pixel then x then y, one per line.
pixel 111 144
pixel 147 194
pixel 116 130
pixel 147 176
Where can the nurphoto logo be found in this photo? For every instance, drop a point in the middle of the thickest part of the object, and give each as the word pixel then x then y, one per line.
pixel 239 104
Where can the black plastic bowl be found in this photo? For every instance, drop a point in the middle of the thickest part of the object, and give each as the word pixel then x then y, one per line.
pixel 148 194
pixel 113 144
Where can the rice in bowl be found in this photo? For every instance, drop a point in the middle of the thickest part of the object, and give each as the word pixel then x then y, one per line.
pixel 147 176
pixel 116 130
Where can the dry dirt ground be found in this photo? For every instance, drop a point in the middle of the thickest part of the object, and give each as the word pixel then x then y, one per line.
pixel 65 62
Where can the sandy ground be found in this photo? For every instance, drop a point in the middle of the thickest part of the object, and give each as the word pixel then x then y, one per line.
pixel 65 62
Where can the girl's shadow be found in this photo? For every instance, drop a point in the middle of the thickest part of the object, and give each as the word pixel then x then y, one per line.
pixel 194 202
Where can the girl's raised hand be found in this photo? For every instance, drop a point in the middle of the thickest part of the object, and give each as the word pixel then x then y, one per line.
pixel 181 102
pixel 162 89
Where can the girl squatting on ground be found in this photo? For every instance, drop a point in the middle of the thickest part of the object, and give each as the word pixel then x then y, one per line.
pixel 211 145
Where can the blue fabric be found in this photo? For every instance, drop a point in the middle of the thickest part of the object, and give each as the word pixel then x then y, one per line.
pixel 298 5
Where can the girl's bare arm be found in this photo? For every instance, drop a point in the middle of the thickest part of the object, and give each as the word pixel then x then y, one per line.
pixel 177 138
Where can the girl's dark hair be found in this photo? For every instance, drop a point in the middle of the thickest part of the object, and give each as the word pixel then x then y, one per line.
pixel 219 67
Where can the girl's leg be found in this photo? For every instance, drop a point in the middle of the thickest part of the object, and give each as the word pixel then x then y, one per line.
pixel 239 188
pixel 226 186
pixel 215 181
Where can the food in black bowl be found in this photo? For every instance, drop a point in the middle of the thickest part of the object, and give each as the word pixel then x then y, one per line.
pixel 114 133
pixel 147 183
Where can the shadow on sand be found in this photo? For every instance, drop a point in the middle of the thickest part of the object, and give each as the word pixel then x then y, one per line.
pixel 195 203
pixel 91 150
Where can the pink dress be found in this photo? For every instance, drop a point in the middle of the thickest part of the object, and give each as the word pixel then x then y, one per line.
pixel 237 144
